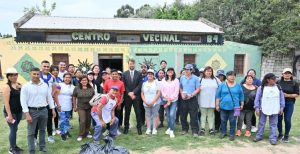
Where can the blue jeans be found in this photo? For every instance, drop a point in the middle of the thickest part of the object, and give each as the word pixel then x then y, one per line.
pixel 225 116
pixel 98 129
pixel 171 113
pixel 64 120
pixel 13 128
pixel 287 115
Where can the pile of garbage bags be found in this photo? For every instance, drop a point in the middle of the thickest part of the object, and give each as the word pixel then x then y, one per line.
pixel 107 148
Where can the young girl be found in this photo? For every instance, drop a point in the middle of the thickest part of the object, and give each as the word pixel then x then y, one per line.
pixel 269 102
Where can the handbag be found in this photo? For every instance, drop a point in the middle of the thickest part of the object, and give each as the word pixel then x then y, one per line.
pixel 237 110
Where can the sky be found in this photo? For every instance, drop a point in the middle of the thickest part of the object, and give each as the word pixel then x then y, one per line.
pixel 12 10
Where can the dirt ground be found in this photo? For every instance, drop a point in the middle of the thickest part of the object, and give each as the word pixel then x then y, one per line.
pixel 243 148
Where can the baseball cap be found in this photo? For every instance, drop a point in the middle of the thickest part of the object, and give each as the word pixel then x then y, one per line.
pixel 115 88
pixel 11 71
pixel 201 69
pixel 150 71
pixel 188 66
pixel 287 70
pixel 119 72
pixel 90 72
pixel 220 72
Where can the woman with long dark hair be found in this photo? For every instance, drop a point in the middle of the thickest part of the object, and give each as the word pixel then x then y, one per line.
pixel 206 99
pixel 269 102
pixel 247 112
pixel 290 90
pixel 170 90
pixel 97 77
pixel 83 93
pixel 12 107
pixel 54 71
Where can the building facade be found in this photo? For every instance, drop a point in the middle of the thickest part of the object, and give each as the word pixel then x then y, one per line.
pixel 111 42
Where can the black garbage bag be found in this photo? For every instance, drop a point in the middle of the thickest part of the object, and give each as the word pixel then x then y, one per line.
pixel 91 148
pixel 109 148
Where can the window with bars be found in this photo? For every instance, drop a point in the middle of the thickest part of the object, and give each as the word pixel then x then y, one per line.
pixel 239 63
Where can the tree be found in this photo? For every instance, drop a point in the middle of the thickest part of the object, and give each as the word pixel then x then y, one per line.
pixel 44 11
pixel 145 11
pixel 125 11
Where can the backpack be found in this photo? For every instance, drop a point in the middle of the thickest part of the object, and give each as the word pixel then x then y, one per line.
pixel 96 98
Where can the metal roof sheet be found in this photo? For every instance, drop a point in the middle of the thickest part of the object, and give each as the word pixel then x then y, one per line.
pixel 117 24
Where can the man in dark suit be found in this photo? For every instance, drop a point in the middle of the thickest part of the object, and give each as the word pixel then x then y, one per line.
pixel 133 83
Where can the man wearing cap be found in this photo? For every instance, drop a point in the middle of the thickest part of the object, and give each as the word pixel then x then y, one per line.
pixel 222 77
pixel 133 83
pixel 35 96
pixel 201 72
pixel 104 114
pixel 189 88
pixel 115 82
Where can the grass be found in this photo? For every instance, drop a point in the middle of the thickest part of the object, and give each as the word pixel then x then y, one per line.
pixel 142 143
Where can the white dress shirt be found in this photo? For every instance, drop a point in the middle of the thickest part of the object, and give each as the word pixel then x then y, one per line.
pixel 36 95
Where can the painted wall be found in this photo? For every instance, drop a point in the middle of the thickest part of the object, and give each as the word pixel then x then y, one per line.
pixel 218 56
pixel 23 56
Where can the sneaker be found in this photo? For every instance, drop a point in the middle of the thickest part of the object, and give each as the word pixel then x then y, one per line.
pixel 285 139
pixel 253 129
pixel 154 132
pixel 248 133
pixel 44 149
pixel 211 132
pixel 118 132
pixel 231 138
pixel 195 135
pixel 202 132
pixel 238 133
pixel 19 149
pixel 105 133
pixel 53 133
pixel 244 126
pixel 63 137
pixel 273 142
pixel 184 132
pixel 68 135
pixel 257 139
pixel 51 139
pixel 167 131
pixel 13 151
pixel 222 136
pixel 172 134
pixel 57 131
pixel 279 137
pixel 89 136
pixel 148 131
pixel 79 138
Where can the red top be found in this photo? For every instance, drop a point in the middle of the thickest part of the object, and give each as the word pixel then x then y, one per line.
pixel 109 83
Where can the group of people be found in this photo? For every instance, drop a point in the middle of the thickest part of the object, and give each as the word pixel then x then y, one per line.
pixel 55 92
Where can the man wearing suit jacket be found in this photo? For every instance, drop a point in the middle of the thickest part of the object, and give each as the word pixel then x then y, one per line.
pixel 133 83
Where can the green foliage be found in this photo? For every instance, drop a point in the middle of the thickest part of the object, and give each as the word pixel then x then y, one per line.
pixel 272 24
pixel 5 36
pixel 43 11
pixel 125 11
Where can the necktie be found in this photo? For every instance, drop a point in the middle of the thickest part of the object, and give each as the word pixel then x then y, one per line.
pixel 131 75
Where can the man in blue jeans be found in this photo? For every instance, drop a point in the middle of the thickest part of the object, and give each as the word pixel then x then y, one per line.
pixel 104 114
pixel 189 88
pixel 35 96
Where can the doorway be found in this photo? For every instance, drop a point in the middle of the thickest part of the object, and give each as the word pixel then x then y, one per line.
pixel 114 61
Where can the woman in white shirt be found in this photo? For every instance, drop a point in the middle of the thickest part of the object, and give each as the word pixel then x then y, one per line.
pixel 63 99
pixel 206 99
pixel 150 96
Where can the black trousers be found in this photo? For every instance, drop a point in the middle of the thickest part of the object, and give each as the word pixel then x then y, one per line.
pixel 161 112
pixel 178 110
pixel 56 119
pixel 253 120
pixel 143 114
pixel 217 120
pixel 119 114
pixel 137 109
pixel 190 107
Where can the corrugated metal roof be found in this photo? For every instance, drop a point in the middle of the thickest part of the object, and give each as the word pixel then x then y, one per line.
pixel 117 24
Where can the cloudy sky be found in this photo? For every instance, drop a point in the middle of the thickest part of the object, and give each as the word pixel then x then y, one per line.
pixel 12 10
